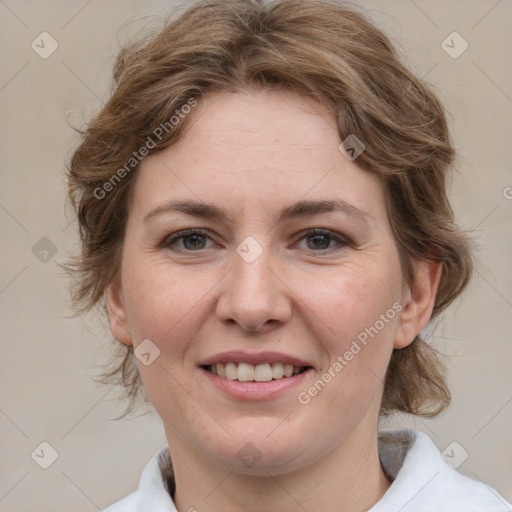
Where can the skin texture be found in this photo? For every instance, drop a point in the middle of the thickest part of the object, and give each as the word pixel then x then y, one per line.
pixel 253 153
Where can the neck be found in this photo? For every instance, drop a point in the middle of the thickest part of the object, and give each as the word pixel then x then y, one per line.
pixel 348 478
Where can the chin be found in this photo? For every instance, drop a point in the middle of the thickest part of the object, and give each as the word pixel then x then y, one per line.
pixel 262 455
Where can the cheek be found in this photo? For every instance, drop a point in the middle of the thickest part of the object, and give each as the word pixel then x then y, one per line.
pixel 164 305
pixel 353 299
pixel 161 298
pixel 355 319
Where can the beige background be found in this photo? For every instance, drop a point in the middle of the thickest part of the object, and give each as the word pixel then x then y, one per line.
pixel 45 391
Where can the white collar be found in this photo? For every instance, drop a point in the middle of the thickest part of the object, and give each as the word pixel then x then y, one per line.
pixel 422 481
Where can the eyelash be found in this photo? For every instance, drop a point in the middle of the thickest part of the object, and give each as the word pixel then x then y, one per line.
pixel 171 239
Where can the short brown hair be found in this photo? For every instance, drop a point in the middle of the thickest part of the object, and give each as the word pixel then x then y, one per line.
pixel 326 50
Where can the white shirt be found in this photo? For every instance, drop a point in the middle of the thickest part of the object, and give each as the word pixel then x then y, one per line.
pixel 421 481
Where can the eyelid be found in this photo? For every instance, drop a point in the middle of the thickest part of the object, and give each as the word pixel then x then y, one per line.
pixel 325 231
pixel 182 233
pixel 342 240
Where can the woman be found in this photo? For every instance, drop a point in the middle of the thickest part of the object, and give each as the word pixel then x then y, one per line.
pixel 264 219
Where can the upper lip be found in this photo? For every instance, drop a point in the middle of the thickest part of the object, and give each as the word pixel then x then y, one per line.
pixel 254 358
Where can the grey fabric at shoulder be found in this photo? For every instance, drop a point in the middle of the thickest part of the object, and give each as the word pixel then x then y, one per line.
pixel 152 494
pixel 393 447
pixel 167 471
pixel 424 482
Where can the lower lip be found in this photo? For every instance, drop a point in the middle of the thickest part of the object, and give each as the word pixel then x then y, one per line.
pixel 255 390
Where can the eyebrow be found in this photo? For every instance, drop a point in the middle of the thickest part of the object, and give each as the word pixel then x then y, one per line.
pixel 300 209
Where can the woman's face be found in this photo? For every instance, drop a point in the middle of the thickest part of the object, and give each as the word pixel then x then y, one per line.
pixel 252 175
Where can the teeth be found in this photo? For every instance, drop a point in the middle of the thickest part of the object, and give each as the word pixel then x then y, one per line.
pixel 221 371
pixel 231 372
pixel 262 372
pixel 277 371
pixel 245 372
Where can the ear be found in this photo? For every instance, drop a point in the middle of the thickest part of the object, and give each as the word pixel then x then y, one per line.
pixel 418 302
pixel 117 313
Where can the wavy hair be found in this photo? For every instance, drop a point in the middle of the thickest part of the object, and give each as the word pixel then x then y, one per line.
pixel 327 50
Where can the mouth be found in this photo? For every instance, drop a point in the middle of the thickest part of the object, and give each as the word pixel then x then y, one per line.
pixel 246 372
pixel 249 376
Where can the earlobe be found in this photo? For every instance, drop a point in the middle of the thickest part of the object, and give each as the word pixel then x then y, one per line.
pixel 117 314
pixel 418 302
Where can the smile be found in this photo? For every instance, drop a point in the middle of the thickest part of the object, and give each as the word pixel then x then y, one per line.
pixel 255 376
pixel 246 372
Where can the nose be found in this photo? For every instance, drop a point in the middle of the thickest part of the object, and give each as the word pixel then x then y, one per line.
pixel 254 295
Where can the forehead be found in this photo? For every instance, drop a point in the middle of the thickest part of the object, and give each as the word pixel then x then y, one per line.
pixel 256 148
pixel 257 122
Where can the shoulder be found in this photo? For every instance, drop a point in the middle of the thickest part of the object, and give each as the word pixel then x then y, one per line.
pixel 152 493
pixel 423 481
pixel 130 503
